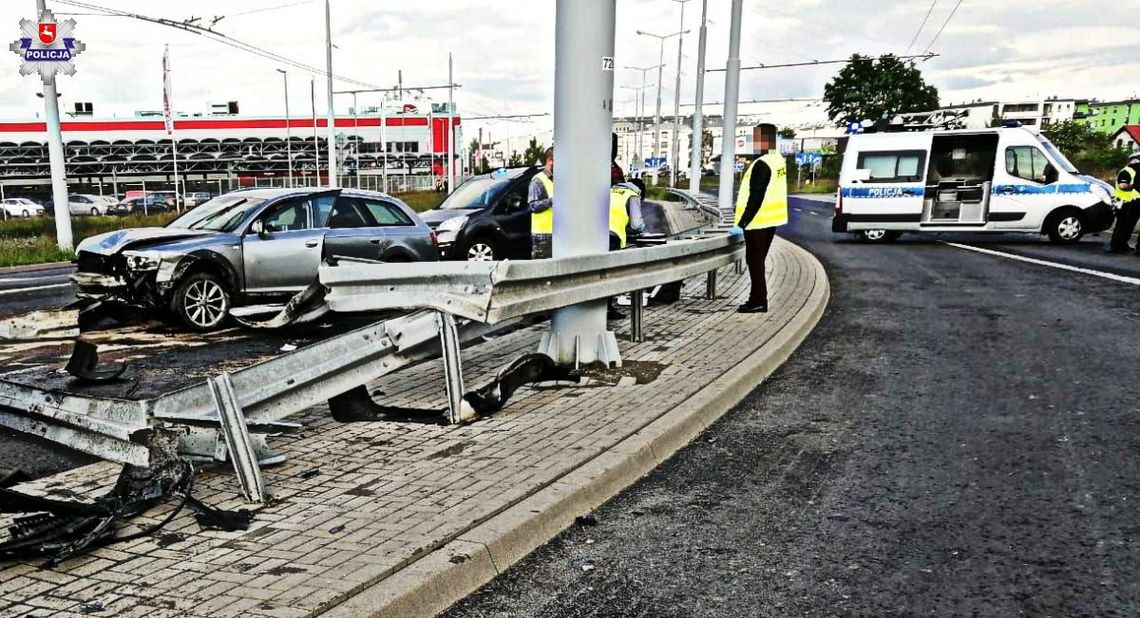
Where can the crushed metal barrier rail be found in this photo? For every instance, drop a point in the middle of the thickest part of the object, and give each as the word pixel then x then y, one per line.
pixel 229 416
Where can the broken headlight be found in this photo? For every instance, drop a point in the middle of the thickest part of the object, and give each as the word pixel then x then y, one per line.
pixel 142 261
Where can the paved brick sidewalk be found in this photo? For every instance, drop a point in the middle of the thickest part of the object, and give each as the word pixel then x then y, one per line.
pixel 356 503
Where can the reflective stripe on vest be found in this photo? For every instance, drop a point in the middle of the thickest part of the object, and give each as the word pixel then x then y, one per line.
pixel 619 213
pixel 543 222
pixel 774 209
pixel 1128 196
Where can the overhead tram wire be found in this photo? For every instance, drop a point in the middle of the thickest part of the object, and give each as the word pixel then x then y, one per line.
pixel 210 34
pixel 944 24
pixel 924 57
pixel 933 3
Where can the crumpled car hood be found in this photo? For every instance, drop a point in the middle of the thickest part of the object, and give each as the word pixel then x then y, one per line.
pixel 114 242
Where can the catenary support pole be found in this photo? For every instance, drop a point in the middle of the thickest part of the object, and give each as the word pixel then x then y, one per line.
pixel 675 161
pixel 656 150
pixel 55 158
pixel 288 129
pixel 450 125
pixel 698 114
pixel 731 96
pixel 316 139
pixel 333 179
pixel 583 122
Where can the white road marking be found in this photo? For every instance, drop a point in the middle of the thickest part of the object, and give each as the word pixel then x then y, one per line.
pixel 1075 269
pixel 35 289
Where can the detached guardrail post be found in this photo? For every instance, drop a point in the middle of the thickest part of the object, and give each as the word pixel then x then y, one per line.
pixel 238 441
pixel 710 285
pixel 452 366
pixel 636 309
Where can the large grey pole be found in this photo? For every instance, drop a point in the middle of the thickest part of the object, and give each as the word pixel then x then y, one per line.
pixel 63 236
pixel 288 129
pixel 675 162
pixel 657 115
pixel 333 180
pixel 698 114
pixel 731 97
pixel 450 125
pixel 583 122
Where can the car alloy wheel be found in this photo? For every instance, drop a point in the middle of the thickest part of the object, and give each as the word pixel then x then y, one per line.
pixel 25 214
pixel 1069 228
pixel 94 212
pixel 204 303
pixel 480 252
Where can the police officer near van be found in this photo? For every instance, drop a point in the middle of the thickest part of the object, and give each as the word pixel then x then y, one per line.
pixel 761 207
pixel 540 202
pixel 1128 192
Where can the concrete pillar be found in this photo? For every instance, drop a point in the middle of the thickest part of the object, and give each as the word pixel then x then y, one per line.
pixel 699 113
pixel 583 122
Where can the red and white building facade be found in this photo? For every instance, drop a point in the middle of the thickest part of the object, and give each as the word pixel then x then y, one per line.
pixel 228 151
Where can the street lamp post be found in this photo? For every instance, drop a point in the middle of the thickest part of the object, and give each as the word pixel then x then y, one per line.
pixel 288 129
pixel 56 156
pixel 731 97
pixel 333 180
pixel 639 112
pixel 677 102
pixel 644 86
pixel 698 113
pixel 660 76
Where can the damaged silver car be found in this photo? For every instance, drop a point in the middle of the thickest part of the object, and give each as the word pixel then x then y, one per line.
pixel 247 247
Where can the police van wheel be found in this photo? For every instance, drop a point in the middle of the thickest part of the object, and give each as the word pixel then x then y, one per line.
pixel 1067 228
pixel 877 236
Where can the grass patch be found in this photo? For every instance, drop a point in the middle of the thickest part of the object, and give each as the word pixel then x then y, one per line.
pixel 824 186
pixel 32 241
pixel 421 201
pixel 37 250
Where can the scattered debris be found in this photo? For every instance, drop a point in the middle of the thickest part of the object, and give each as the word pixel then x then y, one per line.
pixel 527 369
pixel 92 607
pixel 308 305
pixel 357 405
pixel 642 372
pixel 58 324
pixel 12 476
pixel 285 570
pixel 336 529
pixel 288 347
pixel 459 559
pixel 84 363
pixel 587 520
pixel 311 473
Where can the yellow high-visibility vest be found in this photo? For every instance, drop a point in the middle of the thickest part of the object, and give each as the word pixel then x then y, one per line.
pixel 1134 194
pixel 619 213
pixel 774 209
pixel 543 222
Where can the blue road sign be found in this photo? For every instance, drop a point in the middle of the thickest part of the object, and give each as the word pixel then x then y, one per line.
pixel 739 166
pixel 809 158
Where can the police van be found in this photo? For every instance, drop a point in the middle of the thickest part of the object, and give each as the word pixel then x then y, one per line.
pixel 989 180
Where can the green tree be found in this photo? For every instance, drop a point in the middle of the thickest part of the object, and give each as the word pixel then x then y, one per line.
pixel 869 89
pixel 534 153
pixel 706 147
pixel 787 133
pixel 1090 151
pixel 516 160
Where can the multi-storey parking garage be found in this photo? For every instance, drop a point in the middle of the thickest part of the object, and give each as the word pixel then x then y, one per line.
pixel 218 153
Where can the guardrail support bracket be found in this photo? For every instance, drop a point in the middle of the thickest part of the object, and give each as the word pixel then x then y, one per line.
pixel 710 286
pixel 636 311
pixel 453 370
pixel 238 440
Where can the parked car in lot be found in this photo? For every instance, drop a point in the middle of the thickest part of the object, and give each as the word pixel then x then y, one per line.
pixel 80 204
pixel 149 204
pixel 248 246
pixel 198 198
pixel 486 218
pixel 20 207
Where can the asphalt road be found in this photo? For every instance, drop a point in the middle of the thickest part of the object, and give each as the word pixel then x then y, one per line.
pixel 28 289
pixel 959 437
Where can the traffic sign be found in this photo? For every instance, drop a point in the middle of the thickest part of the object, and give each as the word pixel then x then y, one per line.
pixel 739 166
pixel 809 158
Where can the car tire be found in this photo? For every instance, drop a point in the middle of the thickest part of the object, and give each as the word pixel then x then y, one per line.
pixel 25 214
pixel 1066 228
pixel 482 250
pixel 877 236
pixel 94 212
pixel 201 302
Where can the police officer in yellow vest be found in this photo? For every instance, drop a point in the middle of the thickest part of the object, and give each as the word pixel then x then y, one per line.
pixel 625 214
pixel 761 207
pixel 1128 192
pixel 540 202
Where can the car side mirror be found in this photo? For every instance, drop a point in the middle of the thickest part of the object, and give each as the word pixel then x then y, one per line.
pixel 861 175
pixel 513 202
pixel 1051 174
pixel 258 227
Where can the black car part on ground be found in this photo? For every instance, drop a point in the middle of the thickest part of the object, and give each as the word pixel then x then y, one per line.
pixel 528 369
pixel 61 529
pixel 84 364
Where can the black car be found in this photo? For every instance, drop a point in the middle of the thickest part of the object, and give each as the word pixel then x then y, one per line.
pixel 486 218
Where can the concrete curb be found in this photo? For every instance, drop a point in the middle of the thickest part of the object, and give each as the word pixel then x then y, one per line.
pixel 27 268
pixel 447 575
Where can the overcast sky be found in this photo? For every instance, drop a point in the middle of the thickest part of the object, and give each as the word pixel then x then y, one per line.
pixel 504 51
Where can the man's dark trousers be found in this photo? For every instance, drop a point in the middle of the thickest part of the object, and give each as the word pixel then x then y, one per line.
pixel 757 243
pixel 1126 221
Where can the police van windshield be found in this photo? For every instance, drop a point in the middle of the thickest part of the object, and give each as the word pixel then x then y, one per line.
pixel 1062 161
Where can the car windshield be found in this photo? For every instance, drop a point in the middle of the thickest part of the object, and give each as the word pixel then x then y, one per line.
pixel 478 192
pixel 1056 155
pixel 221 214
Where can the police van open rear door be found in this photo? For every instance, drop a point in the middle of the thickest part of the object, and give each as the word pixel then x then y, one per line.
pixel 887 181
